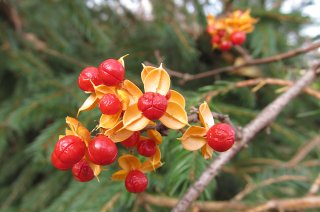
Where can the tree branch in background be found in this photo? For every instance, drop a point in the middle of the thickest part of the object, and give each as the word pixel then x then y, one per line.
pixel 185 77
pixel 260 82
pixel 251 187
pixel 243 52
pixel 315 187
pixel 110 204
pixel 266 116
pixel 289 204
pixel 303 152
pixel 163 201
pixel 284 204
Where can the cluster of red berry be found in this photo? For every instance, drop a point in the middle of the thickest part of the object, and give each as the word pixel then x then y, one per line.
pixel 71 152
pixel 81 154
pixel 129 116
pixel 230 30
pixel 224 41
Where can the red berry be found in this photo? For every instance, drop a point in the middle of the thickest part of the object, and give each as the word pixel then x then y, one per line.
pixel 132 140
pixel 110 104
pixel 111 72
pixel 102 150
pixel 58 164
pixel 225 45
pixel 210 29
pixel 136 181
pixel 152 105
pixel 82 171
pixel 238 38
pixel 221 32
pixel 168 95
pixel 215 40
pixel 68 150
pixel 88 75
pixel 146 147
pixel 221 137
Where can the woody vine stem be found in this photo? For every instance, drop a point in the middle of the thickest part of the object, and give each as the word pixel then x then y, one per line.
pixel 249 131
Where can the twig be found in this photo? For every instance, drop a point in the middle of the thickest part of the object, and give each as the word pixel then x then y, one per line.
pixel 260 61
pixel 109 205
pixel 259 168
pixel 303 152
pixel 243 52
pixel 289 204
pixel 314 187
pixel 203 206
pixel 271 81
pixel 185 77
pixel 251 187
pixel 266 116
pixel 172 73
pixel 285 204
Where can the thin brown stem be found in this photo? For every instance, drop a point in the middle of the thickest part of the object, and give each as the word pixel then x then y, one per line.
pixel 259 81
pixel 185 77
pixel 314 189
pixel 303 152
pixel 289 204
pixel 251 187
pixel 283 204
pixel 163 201
pixel 109 205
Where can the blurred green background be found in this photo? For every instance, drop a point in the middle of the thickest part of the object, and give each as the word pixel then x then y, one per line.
pixel 45 44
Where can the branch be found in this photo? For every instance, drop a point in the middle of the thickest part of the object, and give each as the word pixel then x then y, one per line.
pixel 260 82
pixel 286 204
pixel 109 205
pixel 266 116
pixel 303 152
pixel 185 77
pixel 163 201
pixel 314 187
pixel 292 204
pixel 251 187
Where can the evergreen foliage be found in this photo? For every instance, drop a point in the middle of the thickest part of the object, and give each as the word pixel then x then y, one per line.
pixel 40 62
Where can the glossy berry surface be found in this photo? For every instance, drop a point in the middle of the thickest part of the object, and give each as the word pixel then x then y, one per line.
pixel 225 45
pixel 68 150
pixel 215 40
pixel 146 147
pixel 110 104
pixel 82 171
pixel 132 140
pixel 221 32
pixel 152 105
pixel 221 137
pixel 136 181
pixel 58 164
pixel 88 75
pixel 238 38
pixel 102 150
pixel 111 72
